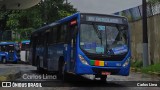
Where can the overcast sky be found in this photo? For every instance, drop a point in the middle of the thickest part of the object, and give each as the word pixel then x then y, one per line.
pixel 104 6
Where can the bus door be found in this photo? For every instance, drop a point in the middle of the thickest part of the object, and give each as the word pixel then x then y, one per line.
pixel 72 45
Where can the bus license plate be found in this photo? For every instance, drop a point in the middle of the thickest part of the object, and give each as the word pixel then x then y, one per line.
pixel 106 73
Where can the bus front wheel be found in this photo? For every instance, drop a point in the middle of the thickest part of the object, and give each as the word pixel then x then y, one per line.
pixel 62 74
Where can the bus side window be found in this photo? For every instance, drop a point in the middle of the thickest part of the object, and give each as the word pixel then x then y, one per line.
pixel 53 36
pixel 65 32
pixel 71 33
pixel 75 31
pixel 68 33
pixel 40 42
pixel 61 33
pixel 58 34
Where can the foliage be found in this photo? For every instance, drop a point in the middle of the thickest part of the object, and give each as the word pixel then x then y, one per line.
pixel 53 10
pixel 24 22
pixel 3 19
pixel 137 64
pixel 154 1
pixel 151 68
pixel 13 20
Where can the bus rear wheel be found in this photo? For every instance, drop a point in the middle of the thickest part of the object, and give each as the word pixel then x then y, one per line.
pixel 62 74
pixel 39 69
pixel 4 60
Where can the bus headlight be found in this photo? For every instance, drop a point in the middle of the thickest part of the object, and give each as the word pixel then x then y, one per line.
pixel 126 62
pixel 83 60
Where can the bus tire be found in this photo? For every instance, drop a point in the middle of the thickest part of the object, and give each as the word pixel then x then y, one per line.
pixel 103 78
pixel 62 74
pixel 60 69
pixel 39 69
pixel 4 60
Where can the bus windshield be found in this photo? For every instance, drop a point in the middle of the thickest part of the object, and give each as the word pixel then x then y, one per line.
pixel 104 39
pixel 7 48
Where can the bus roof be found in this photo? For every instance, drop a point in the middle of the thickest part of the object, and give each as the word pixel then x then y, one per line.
pixel 45 27
pixel 55 23
pixel 70 18
pixel 109 15
pixel 77 14
pixel 7 43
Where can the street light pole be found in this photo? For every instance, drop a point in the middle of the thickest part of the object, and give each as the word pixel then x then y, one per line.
pixel 145 34
pixel 66 1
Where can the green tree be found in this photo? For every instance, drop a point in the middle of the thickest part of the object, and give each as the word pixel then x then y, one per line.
pixel 154 1
pixel 53 10
pixel 23 22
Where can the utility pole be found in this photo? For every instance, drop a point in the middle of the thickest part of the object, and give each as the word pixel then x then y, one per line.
pixel 66 1
pixel 3 21
pixel 145 34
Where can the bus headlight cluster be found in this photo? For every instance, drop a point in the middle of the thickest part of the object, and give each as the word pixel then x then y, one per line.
pixel 126 62
pixel 83 60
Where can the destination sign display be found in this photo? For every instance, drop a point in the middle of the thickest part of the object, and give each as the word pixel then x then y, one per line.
pixel 104 19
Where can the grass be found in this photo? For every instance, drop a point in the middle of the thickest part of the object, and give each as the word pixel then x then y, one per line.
pixel 137 64
pixel 152 69
pixel 3 78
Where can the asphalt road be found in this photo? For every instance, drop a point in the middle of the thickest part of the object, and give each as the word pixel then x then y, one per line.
pixel 87 82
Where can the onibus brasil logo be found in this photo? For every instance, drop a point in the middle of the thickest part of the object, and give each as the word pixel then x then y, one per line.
pixel 20 84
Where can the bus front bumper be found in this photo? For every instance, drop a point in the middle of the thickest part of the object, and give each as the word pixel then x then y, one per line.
pixel 87 69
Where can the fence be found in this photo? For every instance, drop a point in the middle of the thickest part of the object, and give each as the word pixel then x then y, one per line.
pixel 135 13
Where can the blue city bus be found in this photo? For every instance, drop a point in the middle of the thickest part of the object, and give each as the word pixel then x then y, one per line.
pixel 9 52
pixel 24 52
pixel 84 43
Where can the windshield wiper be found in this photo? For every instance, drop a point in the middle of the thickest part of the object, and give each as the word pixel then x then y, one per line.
pixel 97 32
pixel 100 37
